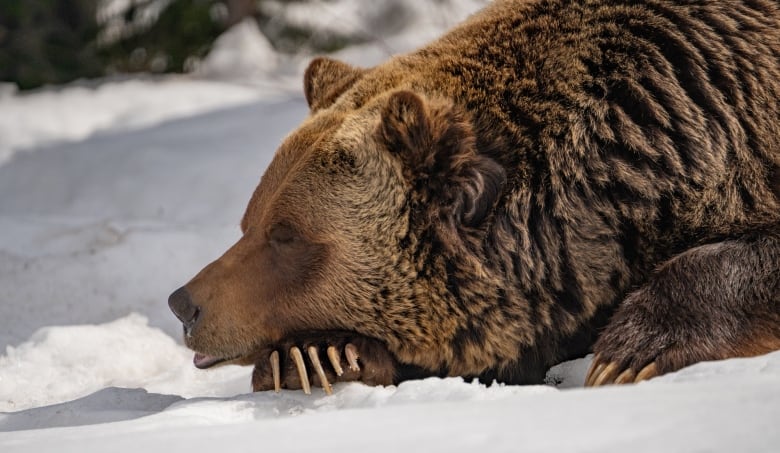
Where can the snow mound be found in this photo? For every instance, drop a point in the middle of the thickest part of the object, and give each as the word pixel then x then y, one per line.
pixel 58 364
pixel 241 53
pixel 62 363
pixel 703 411
pixel 389 27
pixel 104 406
pixel 77 111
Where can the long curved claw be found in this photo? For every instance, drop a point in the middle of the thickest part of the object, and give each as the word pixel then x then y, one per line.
pixel 607 375
pixel 593 363
pixel 335 360
pixel 648 372
pixel 314 356
pixel 297 357
pixel 626 377
pixel 595 371
pixel 274 358
pixel 352 355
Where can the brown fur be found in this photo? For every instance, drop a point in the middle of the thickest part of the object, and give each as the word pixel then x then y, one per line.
pixel 482 205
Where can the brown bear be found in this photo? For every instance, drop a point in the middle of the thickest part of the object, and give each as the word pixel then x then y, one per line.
pixel 547 179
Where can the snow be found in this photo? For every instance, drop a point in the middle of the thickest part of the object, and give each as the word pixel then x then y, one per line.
pixel 77 112
pixel 54 366
pixel 112 16
pixel 697 410
pixel 387 28
pixel 113 195
pixel 114 223
pixel 241 53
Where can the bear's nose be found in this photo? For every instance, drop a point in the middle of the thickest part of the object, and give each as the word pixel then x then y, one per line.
pixel 182 306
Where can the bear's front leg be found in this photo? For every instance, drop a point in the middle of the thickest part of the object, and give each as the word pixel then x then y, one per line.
pixel 711 302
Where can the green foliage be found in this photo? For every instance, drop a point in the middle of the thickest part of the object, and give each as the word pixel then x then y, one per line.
pixel 185 29
pixel 57 41
pixel 47 41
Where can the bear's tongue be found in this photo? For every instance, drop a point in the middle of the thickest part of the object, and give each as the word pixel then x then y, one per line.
pixel 204 361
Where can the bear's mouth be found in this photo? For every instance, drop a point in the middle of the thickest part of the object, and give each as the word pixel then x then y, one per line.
pixel 261 351
pixel 204 361
pixel 322 340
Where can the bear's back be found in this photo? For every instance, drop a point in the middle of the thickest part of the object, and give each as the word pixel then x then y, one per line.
pixel 665 110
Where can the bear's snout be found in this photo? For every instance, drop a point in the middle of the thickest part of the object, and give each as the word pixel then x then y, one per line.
pixel 181 305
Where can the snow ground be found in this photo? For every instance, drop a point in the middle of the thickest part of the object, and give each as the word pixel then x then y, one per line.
pixel 113 196
pixel 80 111
pixel 97 229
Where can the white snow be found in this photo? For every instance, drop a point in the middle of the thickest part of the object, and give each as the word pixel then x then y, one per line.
pixel 54 366
pixel 76 112
pixel 699 409
pixel 112 15
pixel 95 230
pixel 128 188
pixel 388 27
pixel 241 53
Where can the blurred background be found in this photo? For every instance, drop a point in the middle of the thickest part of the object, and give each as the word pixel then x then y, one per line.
pixel 57 41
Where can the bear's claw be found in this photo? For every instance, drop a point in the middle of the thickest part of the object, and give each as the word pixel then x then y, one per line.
pixel 602 373
pixel 274 358
pixel 328 358
pixel 351 352
pixel 297 357
pixel 335 360
pixel 314 356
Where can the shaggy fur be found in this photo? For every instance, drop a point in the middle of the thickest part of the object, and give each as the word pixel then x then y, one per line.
pixel 481 206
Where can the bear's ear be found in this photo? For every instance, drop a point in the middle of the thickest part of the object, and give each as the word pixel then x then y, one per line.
pixel 406 128
pixel 326 79
pixel 437 145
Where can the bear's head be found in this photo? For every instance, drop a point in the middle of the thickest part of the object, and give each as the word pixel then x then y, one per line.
pixel 359 205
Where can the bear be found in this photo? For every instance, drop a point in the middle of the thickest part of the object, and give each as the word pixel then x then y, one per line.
pixel 548 179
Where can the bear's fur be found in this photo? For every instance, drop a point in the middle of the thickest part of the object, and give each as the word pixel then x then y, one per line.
pixel 480 207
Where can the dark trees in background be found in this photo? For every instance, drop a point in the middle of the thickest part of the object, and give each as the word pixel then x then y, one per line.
pixel 56 41
pixel 239 9
pixel 184 30
pixel 47 41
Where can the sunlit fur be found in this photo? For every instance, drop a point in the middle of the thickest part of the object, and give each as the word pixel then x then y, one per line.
pixel 483 204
